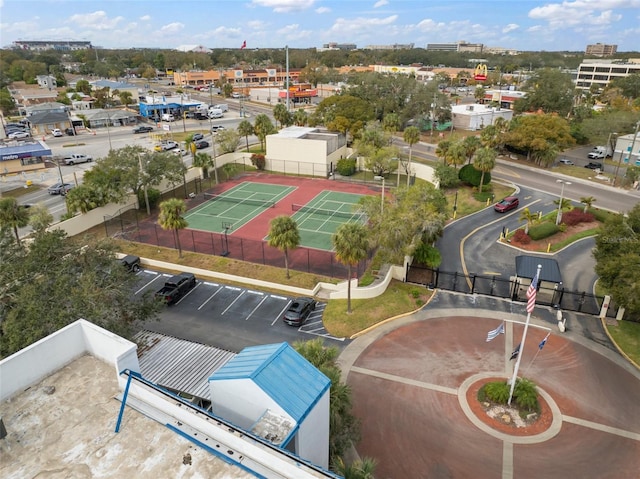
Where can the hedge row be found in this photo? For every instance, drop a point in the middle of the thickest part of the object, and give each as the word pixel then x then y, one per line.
pixel 543 230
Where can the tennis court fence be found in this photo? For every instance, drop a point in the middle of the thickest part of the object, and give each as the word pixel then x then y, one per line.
pixel 320 211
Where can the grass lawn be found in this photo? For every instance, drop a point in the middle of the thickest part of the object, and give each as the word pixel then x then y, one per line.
pixel 627 336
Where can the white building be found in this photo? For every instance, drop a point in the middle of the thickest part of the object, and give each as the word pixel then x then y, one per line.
pixel 627 150
pixel 476 116
pixel 600 72
pixel 77 402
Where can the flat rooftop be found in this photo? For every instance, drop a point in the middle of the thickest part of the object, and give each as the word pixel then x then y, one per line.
pixel 64 426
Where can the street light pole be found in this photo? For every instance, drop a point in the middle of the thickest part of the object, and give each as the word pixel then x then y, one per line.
pixel 559 215
pixel 382 194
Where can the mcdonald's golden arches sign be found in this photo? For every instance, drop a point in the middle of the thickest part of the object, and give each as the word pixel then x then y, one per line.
pixel 480 73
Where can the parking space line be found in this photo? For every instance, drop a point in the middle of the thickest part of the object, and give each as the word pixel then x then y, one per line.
pixel 209 298
pixel 211 284
pixel 191 291
pixel 280 297
pixel 149 282
pixel 281 313
pixel 257 306
pixel 234 301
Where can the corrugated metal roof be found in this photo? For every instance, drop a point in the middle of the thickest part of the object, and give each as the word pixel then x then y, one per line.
pixel 178 364
pixel 289 379
pixel 526 267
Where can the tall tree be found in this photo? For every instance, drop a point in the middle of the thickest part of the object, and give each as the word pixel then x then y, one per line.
pixel 549 90
pixel 245 128
pixel 170 218
pixel 282 115
pixel 529 217
pixel 411 136
pixel 263 127
pixel 284 235
pixel 13 216
pixel 351 243
pixel 471 145
pixel 484 161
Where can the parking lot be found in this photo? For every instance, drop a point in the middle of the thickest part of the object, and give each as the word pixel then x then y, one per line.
pixel 231 317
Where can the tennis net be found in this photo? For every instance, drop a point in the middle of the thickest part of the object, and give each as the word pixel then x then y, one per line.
pixel 240 201
pixel 320 211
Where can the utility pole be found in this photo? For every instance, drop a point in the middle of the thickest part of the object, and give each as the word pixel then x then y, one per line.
pixel 287 79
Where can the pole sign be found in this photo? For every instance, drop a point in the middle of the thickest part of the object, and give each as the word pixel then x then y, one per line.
pixel 480 72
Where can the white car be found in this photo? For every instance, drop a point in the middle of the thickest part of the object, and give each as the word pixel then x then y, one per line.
pixel 19 134
pixel 235 94
pixel 57 132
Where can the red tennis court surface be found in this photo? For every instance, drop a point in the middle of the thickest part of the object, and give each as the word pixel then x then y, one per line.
pixel 246 243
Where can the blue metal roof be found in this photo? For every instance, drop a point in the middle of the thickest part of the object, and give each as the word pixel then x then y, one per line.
pixel 288 378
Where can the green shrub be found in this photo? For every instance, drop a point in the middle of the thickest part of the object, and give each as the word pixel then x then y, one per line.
pixel 346 166
pixel 152 194
pixel 497 392
pixel 469 175
pixel 601 215
pixel 543 230
pixel 415 293
pixel 525 395
pixel 446 175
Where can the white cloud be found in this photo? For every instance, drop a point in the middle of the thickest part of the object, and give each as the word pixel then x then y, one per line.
pixel 145 18
pixel 580 13
pixel 361 24
pixel 511 27
pixel 321 10
pixel 293 32
pixel 174 27
pixel 285 6
pixel 380 3
pixel 257 24
pixel 97 20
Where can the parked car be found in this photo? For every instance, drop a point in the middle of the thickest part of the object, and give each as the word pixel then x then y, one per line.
pixel 70 132
pixel 594 165
pixel 564 161
pixel 216 128
pixel 507 204
pixel 235 94
pixel 131 263
pixel 19 134
pixel 197 136
pixel 597 155
pixel 57 132
pixel 299 311
pixel 176 287
pixel 142 129
pixel 200 144
pixel 58 188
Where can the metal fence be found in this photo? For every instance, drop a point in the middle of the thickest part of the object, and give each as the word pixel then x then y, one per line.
pixel 579 301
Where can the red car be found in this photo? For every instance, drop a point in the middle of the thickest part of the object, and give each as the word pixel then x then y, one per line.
pixel 509 203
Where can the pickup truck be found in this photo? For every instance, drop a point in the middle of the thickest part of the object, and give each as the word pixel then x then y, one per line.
pixel 75 158
pixel 176 287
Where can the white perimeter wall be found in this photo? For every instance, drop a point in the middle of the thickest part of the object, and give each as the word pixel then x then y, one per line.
pixel 312 439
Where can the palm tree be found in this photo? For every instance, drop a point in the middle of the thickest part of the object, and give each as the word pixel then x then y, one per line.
pixel 284 235
pixel 361 469
pixel 351 244
pixel 411 136
pixel 484 161
pixel 170 218
pixel 263 127
pixel 13 215
pixel 471 145
pixel 204 161
pixel 245 128
pixel 281 114
pixel 456 154
pixel 442 150
pixel 587 201
pixel 529 217
pixel 300 118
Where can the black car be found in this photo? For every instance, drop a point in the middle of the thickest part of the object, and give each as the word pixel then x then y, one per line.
pixel 594 165
pixel 200 144
pixel 143 129
pixel 131 263
pixel 70 132
pixel 299 311
pixel 197 136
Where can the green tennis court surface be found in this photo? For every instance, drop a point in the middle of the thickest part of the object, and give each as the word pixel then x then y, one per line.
pixel 235 207
pixel 319 219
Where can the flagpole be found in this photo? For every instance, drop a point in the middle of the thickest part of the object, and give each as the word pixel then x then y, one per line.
pixel 524 336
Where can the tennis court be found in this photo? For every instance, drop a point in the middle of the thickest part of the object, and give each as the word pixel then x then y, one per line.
pixel 236 207
pixel 319 219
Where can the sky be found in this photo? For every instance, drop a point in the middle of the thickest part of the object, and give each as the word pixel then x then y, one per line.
pixel 514 24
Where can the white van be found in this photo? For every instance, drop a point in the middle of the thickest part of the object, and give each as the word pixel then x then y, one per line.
pixel 222 106
pixel 215 113
pixel 168 117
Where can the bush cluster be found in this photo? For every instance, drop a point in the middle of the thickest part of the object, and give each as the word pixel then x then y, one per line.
pixel 257 160
pixel 525 395
pixel 601 215
pixel 576 216
pixel 521 237
pixel 543 230
pixel 469 175
pixel 346 166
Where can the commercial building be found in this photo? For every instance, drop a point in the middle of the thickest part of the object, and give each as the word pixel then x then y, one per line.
pixel 19 156
pixel 601 72
pixel 395 46
pixel 460 46
pixel 82 399
pixel 476 117
pixel 338 46
pixel 601 50
pixel 239 78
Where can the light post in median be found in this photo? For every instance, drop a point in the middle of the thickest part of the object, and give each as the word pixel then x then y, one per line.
pixel 559 215
pixel 378 178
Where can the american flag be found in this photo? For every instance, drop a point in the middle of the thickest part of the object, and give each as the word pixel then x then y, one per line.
pixel 531 293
